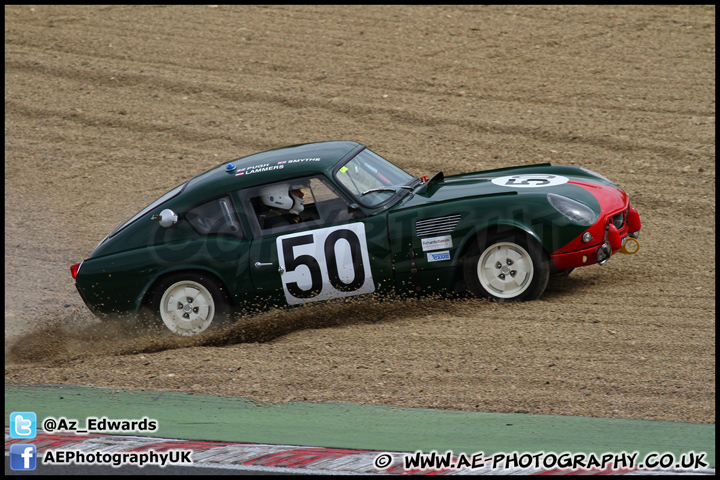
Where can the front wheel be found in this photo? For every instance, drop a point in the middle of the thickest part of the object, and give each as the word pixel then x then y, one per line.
pixel 189 303
pixel 507 268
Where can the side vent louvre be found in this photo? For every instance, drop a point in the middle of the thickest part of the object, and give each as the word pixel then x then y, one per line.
pixel 436 226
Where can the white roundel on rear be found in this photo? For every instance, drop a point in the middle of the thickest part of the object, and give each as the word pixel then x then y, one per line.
pixel 530 180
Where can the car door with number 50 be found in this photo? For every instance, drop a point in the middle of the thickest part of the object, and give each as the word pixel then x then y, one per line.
pixel 325 263
pixel 331 260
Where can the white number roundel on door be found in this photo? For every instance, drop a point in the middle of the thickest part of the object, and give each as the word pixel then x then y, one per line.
pixel 325 263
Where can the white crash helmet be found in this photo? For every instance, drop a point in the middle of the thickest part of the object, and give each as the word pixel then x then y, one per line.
pixel 279 196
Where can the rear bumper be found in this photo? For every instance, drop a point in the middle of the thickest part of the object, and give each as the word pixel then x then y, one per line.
pixel 80 292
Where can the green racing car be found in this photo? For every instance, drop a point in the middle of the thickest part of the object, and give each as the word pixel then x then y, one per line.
pixel 327 220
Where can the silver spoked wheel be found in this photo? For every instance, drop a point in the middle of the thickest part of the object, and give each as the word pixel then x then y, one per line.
pixel 187 308
pixel 505 270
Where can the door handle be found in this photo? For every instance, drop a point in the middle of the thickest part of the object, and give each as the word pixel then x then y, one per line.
pixel 260 265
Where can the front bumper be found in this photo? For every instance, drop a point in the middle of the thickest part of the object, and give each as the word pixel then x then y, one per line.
pixel 576 259
pixel 610 235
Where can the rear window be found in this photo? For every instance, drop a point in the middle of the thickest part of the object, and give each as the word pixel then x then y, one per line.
pixel 217 216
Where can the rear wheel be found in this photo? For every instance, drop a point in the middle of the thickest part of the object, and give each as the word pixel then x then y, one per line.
pixel 507 268
pixel 189 303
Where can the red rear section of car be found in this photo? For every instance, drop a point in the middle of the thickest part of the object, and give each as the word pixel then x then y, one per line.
pixel 74 269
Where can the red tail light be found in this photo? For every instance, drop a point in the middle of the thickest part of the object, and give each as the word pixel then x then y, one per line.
pixel 74 269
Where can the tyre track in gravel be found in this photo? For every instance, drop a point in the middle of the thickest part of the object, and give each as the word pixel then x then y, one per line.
pixel 229 93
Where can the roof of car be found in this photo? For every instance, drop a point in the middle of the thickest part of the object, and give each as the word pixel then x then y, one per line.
pixel 271 166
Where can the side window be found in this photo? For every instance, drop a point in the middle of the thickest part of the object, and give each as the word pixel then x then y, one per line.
pixel 328 205
pixel 297 204
pixel 217 216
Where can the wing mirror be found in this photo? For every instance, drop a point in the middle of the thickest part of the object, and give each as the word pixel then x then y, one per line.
pixel 167 218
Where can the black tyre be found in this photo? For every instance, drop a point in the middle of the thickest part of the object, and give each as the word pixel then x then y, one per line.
pixel 507 268
pixel 189 303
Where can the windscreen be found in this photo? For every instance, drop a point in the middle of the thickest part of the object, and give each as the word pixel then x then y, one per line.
pixel 367 171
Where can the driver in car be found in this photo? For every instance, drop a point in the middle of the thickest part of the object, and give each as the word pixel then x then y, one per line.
pixel 281 205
